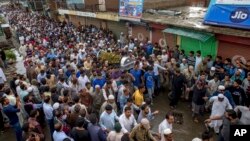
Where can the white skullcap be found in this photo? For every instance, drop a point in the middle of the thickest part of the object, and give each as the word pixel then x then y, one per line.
pixel 167 131
pixel 30 89
pixel 97 86
pixel 111 97
pixel 136 39
pixel 17 82
pixel 149 42
pixel 240 70
pixel 145 123
pixel 221 96
pixel 141 44
pixel 196 139
pixel 212 68
pixel 221 87
pixel 56 106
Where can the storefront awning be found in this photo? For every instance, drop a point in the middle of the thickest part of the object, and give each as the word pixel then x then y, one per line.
pixel 189 33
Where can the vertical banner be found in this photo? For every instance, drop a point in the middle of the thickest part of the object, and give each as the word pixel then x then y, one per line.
pixel 131 8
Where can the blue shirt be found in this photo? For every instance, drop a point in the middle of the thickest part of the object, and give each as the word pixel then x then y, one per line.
pixel 149 79
pixel 107 121
pixel 149 49
pixel 10 111
pixel 123 100
pixel 98 81
pixel 137 75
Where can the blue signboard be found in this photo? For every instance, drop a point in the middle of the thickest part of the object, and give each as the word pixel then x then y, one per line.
pixel 131 8
pixel 237 16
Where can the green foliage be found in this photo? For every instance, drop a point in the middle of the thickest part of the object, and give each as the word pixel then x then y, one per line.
pixel 10 55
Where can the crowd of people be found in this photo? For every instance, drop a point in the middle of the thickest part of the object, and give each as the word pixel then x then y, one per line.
pixel 81 96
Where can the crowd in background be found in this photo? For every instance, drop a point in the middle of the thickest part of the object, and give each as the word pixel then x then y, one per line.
pixel 83 97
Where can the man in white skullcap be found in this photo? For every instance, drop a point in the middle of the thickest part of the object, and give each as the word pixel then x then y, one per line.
pixel 220 104
pixel 167 135
pixel 110 101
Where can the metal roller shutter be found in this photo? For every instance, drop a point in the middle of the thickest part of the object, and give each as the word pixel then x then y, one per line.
pixel 117 28
pixel 93 21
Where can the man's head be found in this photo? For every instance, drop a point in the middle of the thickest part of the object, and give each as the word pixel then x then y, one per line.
pixel 4 100
pixel 142 88
pixel 168 135
pixel 111 99
pixel 145 124
pixel 109 109
pixel 127 112
pixel 231 114
pixel 198 53
pixel 145 109
pixel 170 118
pixel 221 89
pixel 221 97
pixel 237 83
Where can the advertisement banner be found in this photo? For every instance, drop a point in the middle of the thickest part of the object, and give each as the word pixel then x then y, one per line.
pixel 233 2
pixel 131 9
pixel 229 15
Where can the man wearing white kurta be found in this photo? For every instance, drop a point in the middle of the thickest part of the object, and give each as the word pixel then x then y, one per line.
pixel 167 123
pixel 127 120
pixel 220 104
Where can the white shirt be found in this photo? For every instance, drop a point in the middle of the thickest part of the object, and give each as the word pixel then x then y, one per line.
pixel 156 71
pixel 60 136
pixel 48 111
pixel 12 99
pixel 127 123
pixel 83 80
pixel 219 107
pixel 197 62
pixel 164 125
pixel 113 136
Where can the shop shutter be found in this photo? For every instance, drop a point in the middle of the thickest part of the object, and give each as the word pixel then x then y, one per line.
pixel 117 28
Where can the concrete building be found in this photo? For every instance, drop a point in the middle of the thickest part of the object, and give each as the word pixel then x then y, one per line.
pixel 178 18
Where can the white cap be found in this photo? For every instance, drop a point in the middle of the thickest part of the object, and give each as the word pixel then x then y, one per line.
pixel 167 131
pixel 141 44
pixel 17 82
pixel 111 97
pixel 30 89
pixel 212 68
pixel 145 123
pixel 240 70
pixel 196 139
pixel 221 87
pixel 149 42
pixel 136 39
pixel 97 86
pixel 56 106
pixel 221 96
pixel 164 50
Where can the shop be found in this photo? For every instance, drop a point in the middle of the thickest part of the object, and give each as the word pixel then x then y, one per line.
pixel 190 40
pixel 233 47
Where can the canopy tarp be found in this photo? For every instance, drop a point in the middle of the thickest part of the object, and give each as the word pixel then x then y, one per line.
pixel 189 33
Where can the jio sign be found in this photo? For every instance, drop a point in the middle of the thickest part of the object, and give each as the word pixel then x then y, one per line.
pixel 239 15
